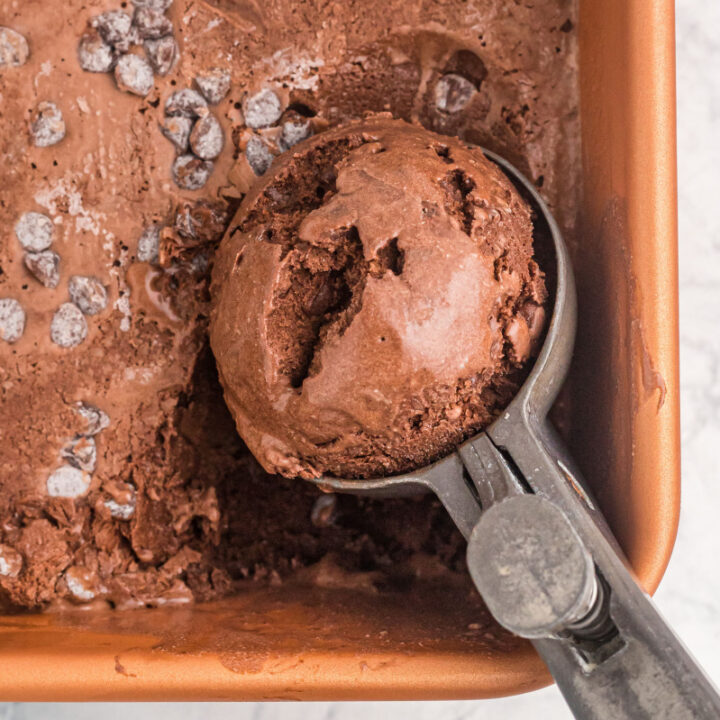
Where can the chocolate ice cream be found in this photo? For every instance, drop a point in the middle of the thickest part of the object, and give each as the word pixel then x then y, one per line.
pixel 377 301
pixel 122 479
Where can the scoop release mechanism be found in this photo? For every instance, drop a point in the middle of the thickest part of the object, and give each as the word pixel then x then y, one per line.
pixel 531 567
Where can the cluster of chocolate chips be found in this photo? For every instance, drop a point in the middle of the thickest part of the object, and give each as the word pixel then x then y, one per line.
pixel 194 130
pixel 79 456
pixel 107 45
pixel 88 295
pixel 34 231
pixel 264 114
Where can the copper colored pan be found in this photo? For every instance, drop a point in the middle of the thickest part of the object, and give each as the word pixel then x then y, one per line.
pixel 332 644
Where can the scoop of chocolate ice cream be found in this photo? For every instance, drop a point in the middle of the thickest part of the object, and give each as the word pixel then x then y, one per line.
pixel 376 301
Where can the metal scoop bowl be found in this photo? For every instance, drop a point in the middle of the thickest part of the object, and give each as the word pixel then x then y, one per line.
pixel 540 552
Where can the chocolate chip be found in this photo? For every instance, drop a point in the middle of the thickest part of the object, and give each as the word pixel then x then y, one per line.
pixel 34 231
pixel 47 127
pixel 68 327
pixel 153 4
pixel 149 244
pixel 177 130
pixel 190 172
pixel 79 583
pixel 294 131
pixel 96 419
pixel 133 74
pixel 121 511
pixel 262 109
pixel 152 24
pixel 45 266
pixel 12 320
pixel 11 561
pixel 453 93
pixel 68 482
pixel 187 102
pixel 258 155
pixel 88 293
pixel 114 26
pixel 81 453
pixel 214 84
pixel 14 50
pixel 122 500
pixel 324 510
pixel 94 54
pixel 162 54
pixel 207 138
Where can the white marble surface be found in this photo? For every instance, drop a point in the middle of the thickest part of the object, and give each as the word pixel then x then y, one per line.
pixel 689 595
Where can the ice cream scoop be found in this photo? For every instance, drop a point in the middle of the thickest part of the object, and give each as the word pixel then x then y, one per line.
pixel 540 552
pixel 377 301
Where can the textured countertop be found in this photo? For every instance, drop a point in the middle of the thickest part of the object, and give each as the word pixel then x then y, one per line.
pixel 689 593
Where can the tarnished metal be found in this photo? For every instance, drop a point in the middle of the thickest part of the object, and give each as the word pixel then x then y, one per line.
pixel 529 564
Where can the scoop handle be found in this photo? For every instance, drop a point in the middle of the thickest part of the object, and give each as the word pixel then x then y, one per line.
pixel 549 570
